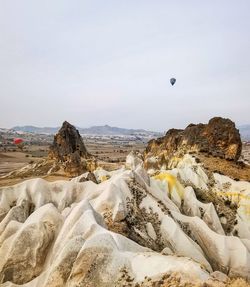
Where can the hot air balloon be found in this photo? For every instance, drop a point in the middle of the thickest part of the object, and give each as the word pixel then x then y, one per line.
pixel 172 81
pixel 18 142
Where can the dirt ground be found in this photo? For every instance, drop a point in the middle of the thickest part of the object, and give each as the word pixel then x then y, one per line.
pixel 111 155
pixel 10 161
pixel 112 151
pixel 237 171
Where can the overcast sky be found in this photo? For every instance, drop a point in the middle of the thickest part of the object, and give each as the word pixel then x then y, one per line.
pixel 109 62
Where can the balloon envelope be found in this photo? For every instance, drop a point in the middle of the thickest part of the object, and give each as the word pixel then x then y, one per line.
pixel 18 141
pixel 172 81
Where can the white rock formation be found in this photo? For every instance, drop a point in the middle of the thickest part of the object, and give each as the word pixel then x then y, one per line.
pixel 126 228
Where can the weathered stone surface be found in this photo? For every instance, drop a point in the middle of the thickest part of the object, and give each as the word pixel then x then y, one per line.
pixel 66 142
pixel 23 253
pixel 68 148
pixel 88 176
pixel 68 233
pixel 218 138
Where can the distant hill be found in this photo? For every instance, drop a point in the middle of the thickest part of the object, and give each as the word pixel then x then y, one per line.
pixel 108 130
pixel 35 130
pixel 95 130
pixel 245 132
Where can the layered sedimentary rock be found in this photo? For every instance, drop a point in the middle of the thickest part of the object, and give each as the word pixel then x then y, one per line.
pixel 218 138
pixel 128 230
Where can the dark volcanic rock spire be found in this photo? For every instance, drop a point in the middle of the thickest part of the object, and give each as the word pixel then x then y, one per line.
pixel 67 141
pixel 68 147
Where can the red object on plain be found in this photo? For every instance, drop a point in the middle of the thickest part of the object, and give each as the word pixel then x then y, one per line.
pixel 18 141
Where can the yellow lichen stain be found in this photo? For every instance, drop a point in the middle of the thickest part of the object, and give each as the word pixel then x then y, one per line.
pixel 174 161
pixel 236 196
pixel 242 200
pixel 172 182
pixel 103 178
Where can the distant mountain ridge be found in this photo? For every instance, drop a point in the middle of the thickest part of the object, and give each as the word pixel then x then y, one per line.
pixel 94 130
pixel 36 130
